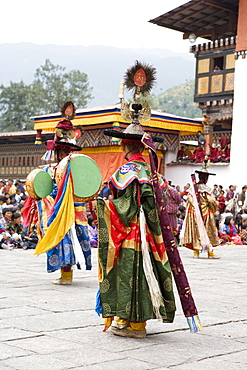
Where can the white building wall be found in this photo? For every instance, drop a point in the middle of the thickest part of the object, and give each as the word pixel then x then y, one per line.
pixel 237 172
pixel 180 174
pixel 170 156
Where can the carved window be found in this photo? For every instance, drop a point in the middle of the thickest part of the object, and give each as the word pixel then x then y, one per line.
pixel 218 64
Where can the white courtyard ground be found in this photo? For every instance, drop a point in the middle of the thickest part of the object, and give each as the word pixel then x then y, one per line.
pixel 44 326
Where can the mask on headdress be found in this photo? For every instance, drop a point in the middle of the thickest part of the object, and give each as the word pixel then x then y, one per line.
pixel 63 142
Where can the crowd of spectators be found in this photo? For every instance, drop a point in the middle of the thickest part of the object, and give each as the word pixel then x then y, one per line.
pixel 12 234
pixel 219 151
pixel 230 217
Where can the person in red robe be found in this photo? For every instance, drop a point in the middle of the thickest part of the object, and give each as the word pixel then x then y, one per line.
pixel 221 201
pixel 224 141
pixel 228 152
pixel 180 153
pixel 198 156
pixel 214 156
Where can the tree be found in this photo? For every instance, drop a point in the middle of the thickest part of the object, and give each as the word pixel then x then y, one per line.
pixel 179 100
pixel 14 105
pixel 51 87
pixel 55 86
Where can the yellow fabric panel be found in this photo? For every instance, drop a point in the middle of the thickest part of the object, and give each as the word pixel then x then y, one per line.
pixel 61 224
pixel 111 246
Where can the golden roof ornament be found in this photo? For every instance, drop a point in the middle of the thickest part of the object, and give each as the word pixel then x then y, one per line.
pixel 205 164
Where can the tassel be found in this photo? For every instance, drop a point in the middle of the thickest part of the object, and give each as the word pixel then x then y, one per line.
pixel 48 156
pixel 76 245
pixel 194 324
pixel 38 139
pixel 98 306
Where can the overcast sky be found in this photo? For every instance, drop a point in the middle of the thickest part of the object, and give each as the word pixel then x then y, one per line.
pixel 90 22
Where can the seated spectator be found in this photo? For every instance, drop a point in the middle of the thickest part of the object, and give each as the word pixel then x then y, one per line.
pixel 185 191
pixel 20 208
pixel 12 201
pixel 187 152
pixel 224 141
pixel 198 155
pixel 228 153
pixel 243 234
pixel 7 215
pixel 16 239
pixel 20 185
pixel 18 195
pixel 2 185
pixel 3 204
pixel 23 198
pixel 228 230
pixel 15 229
pixel 244 216
pixel 239 220
pixel 105 191
pixel 221 201
pixel 93 231
pixel 180 153
pixel 9 188
pixel 6 242
pixel 181 210
pixel 30 241
pixel 222 155
pixel 214 154
pixel 14 226
pixel 217 218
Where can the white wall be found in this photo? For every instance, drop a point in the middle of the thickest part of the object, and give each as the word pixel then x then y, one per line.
pixel 239 125
pixel 179 174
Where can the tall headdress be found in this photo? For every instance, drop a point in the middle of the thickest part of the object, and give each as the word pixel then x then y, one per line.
pixel 139 79
pixel 63 142
pixel 205 164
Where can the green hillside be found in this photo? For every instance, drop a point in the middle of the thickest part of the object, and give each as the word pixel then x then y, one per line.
pixel 178 100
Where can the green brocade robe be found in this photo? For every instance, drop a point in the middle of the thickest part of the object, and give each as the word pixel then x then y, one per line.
pixel 123 286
